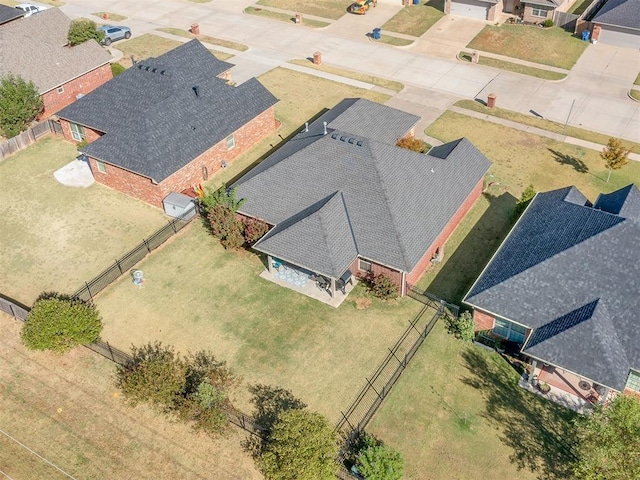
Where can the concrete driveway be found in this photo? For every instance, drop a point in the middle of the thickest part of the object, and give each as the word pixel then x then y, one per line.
pixel 448 36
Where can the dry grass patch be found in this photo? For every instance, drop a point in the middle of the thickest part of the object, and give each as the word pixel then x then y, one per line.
pixel 66 409
pixel 394 41
pixel 637 80
pixel 56 237
pixel 547 46
pixel 284 17
pixel 206 39
pixel 514 67
pixel 333 9
pixel 110 16
pixel 635 94
pixel 416 19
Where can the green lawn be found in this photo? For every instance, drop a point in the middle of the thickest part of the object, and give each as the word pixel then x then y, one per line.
pixel 637 80
pixel 416 19
pixel 514 67
pixel 635 94
pixel 579 7
pixel 547 46
pixel 66 409
pixel 457 413
pixel 332 9
pixel 56 237
pixel 543 123
pixel 395 41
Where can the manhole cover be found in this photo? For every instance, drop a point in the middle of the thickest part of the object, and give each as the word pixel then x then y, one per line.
pixel 584 385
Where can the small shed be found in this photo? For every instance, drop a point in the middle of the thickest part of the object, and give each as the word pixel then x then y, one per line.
pixel 179 205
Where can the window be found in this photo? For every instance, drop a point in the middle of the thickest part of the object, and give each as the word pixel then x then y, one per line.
pixel 538 12
pixel 633 382
pixel 102 168
pixel 77 132
pixel 230 142
pixel 61 89
pixel 509 330
pixel 364 265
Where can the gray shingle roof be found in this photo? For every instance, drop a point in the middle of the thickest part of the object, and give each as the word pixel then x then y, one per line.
pixel 35 48
pixel 621 13
pixel 9 13
pixel 624 202
pixel 572 273
pixel 397 201
pixel 155 123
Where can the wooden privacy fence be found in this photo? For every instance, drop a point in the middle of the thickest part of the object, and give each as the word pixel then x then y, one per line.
pixel 29 136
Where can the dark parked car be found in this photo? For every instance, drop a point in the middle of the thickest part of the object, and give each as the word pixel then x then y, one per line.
pixel 111 33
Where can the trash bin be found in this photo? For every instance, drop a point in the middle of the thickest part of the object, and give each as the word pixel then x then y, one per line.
pixel 376 34
pixel 585 35
pixel 317 58
pixel 491 100
pixel 416 2
pixel 195 29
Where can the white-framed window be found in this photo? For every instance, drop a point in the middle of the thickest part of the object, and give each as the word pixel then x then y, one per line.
pixel 363 265
pixel 538 12
pixel 633 381
pixel 61 89
pixel 102 168
pixel 77 132
pixel 509 330
pixel 231 142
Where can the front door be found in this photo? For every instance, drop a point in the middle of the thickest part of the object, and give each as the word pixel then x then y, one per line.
pixel 508 5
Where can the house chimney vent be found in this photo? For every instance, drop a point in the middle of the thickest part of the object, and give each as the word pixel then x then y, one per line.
pixel 306 126
pixel 324 125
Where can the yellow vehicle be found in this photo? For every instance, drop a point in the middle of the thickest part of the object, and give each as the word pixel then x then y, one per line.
pixel 361 6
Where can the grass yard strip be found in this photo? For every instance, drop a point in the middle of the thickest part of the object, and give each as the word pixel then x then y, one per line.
pixel 283 17
pixel 544 124
pixel 199 1
pixel 514 67
pixel 637 80
pixel 110 16
pixel 332 9
pixel 53 3
pixel 206 39
pixel 55 237
pixel 150 45
pixel 343 72
pixel 547 46
pixel 395 41
pixel 67 410
pixel 579 7
pixel 457 402
pixel 9 3
pixel 635 94
pixel 416 19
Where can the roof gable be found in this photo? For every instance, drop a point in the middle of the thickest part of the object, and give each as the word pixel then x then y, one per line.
pixel 624 202
pixel 622 13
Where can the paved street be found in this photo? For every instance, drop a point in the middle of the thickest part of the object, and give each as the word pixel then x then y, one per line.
pixel 593 96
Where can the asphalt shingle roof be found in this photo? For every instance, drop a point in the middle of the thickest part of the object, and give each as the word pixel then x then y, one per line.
pixel 163 112
pixel 621 13
pixel 9 13
pixel 396 201
pixel 571 272
pixel 35 48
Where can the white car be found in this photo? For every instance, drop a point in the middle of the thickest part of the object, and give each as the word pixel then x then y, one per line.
pixel 29 9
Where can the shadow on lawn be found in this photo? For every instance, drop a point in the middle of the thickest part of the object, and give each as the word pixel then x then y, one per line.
pixel 538 431
pixel 564 159
pixel 458 272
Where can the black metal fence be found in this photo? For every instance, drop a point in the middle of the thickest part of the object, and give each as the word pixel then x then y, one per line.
pixel 379 384
pixel 122 265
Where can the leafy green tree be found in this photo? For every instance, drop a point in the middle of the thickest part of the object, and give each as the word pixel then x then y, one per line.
pixel 462 327
pixel 524 201
pixel 20 104
pixel 59 323
pixel 83 29
pixel 376 461
pixel 301 446
pixel 615 155
pixel 608 441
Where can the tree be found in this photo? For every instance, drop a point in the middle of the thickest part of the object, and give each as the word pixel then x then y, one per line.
pixel 59 323
pixel 384 287
pixel 615 155
pixel 523 202
pixel 83 29
pixel 608 441
pixel 462 327
pixel 220 206
pixel 301 446
pixel 376 461
pixel 414 144
pixel 20 104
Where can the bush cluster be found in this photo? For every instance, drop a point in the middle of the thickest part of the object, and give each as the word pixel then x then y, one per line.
pixel 462 327
pixel 383 287
pixel 414 144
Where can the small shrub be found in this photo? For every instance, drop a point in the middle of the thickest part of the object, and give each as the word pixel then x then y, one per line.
pixel 523 202
pixel 547 23
pixel 384 287
pixel 81 145
pixel 414 144
pixel 254 230
pixel 379 462
pixel 462 327
pixel 117 69
pixel 544 387
pixel 59 323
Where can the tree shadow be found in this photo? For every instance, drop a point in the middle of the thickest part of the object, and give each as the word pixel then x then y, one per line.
pixel 460 270
pixel 564 159
pixel 538 431
pixel 270 401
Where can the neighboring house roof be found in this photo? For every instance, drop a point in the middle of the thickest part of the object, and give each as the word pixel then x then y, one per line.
pixel 620 13
pixel 35 49
pixel 339 195
pixel 9 13
pixel 571 272
pixel 163 112
pixel 551 4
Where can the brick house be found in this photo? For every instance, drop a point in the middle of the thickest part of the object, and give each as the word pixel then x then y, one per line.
pixel 344 200
pixel 36 49
pixel 530 11
pixel 563 290
pixel 168 123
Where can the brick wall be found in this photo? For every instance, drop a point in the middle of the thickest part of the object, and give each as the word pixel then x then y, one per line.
pixel 483 321
pixel 209 162
pixel 425 261
pixel 54 101
pixel 376 269
pixel 528 16
pixel 89 134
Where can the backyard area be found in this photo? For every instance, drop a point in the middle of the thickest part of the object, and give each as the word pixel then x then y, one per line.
pixel 66 409
pixel 416 19
pixel 56 237
pixel 547 46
